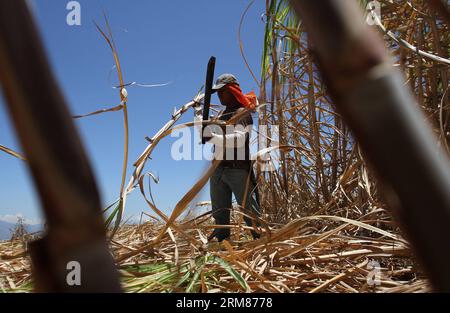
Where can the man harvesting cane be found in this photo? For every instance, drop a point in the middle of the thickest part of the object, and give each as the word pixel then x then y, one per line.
pixel 234 175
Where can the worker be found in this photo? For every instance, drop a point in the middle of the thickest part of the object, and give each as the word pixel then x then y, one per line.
pixel 235 171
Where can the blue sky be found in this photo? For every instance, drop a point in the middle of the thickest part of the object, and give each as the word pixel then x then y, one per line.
pixel 158 41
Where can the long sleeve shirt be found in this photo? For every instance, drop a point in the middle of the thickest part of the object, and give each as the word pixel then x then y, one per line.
pixel 232 140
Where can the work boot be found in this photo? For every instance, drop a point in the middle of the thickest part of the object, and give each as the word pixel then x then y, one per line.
pixel 220 233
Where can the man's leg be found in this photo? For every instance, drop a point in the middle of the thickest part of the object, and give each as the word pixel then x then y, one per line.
pixel 236 179
pixel 221 204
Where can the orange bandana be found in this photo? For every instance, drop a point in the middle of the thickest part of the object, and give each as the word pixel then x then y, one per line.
pixel 248 100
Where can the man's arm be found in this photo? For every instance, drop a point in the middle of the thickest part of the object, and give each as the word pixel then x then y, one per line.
pixel 236 139
pixel 198 120
pixel 238 135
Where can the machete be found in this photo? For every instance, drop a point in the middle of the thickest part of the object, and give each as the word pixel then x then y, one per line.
pixel 208 92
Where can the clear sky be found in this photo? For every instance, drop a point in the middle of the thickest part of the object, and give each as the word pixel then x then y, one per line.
pixel 158 41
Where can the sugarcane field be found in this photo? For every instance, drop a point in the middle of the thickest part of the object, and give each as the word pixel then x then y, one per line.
pixel 241 147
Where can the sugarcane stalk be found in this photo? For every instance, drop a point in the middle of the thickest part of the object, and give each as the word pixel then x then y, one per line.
pixel 388 124
pixel 12 152
pixel 57 162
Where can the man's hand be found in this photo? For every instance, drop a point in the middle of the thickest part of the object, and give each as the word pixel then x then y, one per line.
pixel 198 111
pixel 198 118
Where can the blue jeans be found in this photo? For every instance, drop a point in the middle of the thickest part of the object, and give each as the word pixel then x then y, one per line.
pixel 223 184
